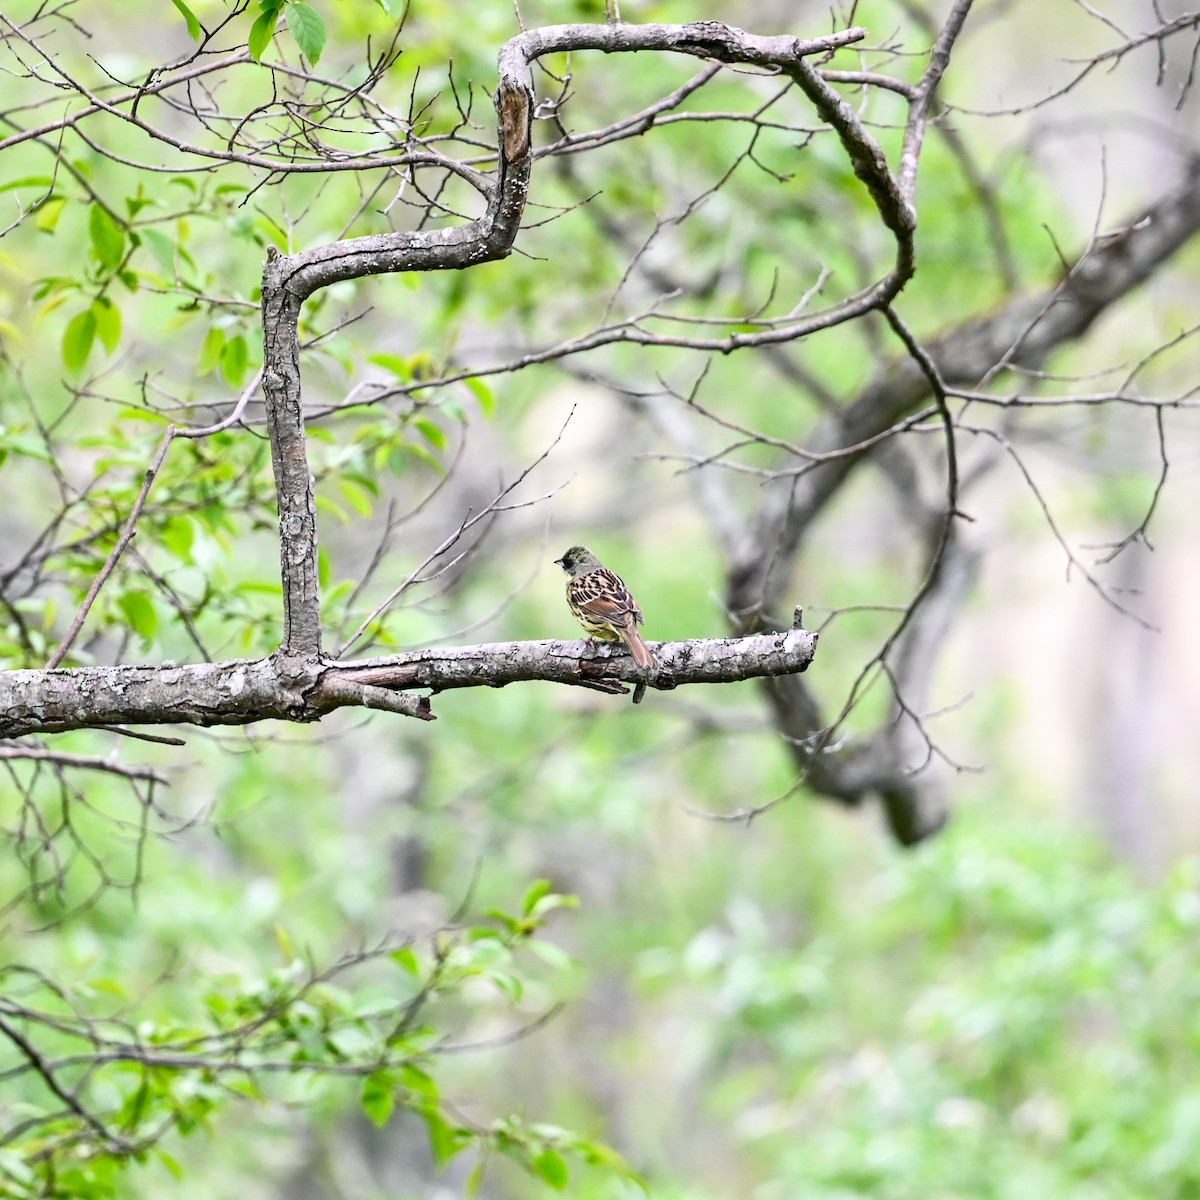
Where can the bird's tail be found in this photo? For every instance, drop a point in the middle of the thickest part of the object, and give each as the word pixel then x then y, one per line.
pixel 642 654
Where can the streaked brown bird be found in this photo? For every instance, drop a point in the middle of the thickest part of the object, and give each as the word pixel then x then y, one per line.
pixel 602 604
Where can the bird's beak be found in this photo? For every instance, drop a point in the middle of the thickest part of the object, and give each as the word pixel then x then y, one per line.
pixel 558 562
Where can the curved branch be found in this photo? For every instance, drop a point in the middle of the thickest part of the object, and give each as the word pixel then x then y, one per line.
pixel 288 280
pixel 1022 333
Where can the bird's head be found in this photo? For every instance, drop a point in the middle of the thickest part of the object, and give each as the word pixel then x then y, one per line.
pixel 578 561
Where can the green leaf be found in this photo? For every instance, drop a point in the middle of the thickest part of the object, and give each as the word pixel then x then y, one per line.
pixel 421 366
pixel 171 1164
pixel 351 1043
pixel 444 1140
pixel 135 204
pixel 547 904
pixel 482 393
pixel 339 591
pixel 262 31
pixel 108 238
pixel 476 1176
pixel 391 362
pixel 507 985
pixel 26 445
pixel 235 359
pixel 432 433
pixel 377 1099
pixel 48 214
pixel 43 181
pixel 264 227
pixel 551 954
pixel 108 322
pixel 308 29
pixel 77 340
pixel 210 351
pixel 357 496
pixel 139 612
pixel 285 944
pixel 326 505
pixel 193 26
pixel 551 1166
pixel 161 247
pixel 418 1081
pixel 418 451
pixel 406 958
pixel 52 285
pixel 535 891
pixel 129 413
pixel 178 535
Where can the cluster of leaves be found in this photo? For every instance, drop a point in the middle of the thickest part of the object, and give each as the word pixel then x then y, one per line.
pixel 149 288
pixel 182 593
pixel 1006 1014
pixel 378 1022
pixel 304 23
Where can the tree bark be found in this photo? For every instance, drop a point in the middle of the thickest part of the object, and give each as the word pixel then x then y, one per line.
pixel 289 688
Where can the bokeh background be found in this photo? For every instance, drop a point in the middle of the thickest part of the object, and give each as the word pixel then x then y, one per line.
pixel 789 1006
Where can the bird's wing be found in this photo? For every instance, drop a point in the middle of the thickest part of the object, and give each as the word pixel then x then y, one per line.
pixel 602 595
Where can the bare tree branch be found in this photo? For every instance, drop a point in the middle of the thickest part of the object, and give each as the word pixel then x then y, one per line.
pixel 290 279
pixel 1022 333
pixel 241 692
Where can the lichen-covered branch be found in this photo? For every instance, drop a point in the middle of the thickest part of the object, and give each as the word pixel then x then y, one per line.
pixel 701 660
pixel 283 688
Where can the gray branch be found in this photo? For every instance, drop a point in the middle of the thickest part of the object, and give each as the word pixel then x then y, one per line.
pixel 298 683
pixel 289 689
pixel 1021 333
pixel 891 764
pixel 289 279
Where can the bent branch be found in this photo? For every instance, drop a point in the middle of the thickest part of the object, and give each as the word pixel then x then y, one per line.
pixel 289 279
pixel 1022 333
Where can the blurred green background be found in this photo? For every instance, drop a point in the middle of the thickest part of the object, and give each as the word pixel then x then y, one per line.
pixel 332 937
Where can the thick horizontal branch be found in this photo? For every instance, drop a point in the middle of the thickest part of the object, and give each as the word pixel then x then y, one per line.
pixel 227 693
pixel 305 689
pixel 701 39
pixel 701 660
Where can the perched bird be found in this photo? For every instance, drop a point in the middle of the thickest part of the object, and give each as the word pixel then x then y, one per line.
pixel 602 603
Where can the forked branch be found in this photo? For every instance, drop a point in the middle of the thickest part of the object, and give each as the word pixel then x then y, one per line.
pixel 289 279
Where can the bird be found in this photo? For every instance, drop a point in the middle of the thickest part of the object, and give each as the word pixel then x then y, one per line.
pixel 602 604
